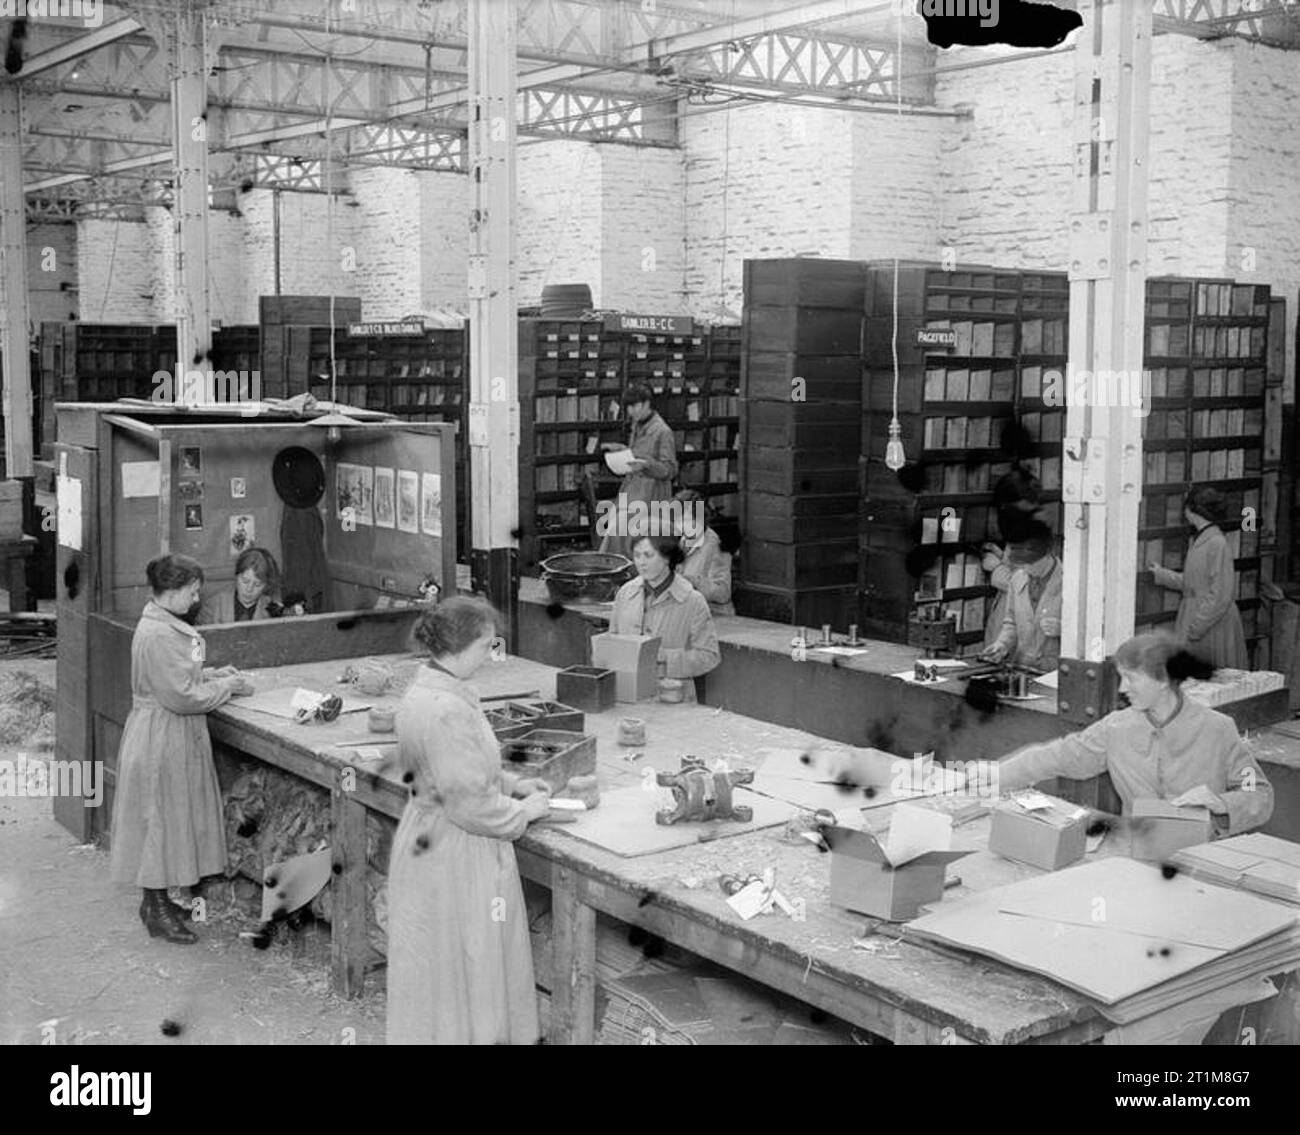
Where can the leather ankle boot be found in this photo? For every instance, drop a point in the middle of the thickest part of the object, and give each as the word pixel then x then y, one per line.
pixel 161 920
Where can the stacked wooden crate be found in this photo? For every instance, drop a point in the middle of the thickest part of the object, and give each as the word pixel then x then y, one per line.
pixel 801 406
pixel 286 323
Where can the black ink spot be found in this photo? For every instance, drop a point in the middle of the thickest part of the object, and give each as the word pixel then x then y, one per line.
pixel 247 185
pixel 1168 870
pixel 1019 24
pixel 844 783
pixel 880 735
pixel 171 1028
pixel 647 898
pixel 1165 951
pixel 516 533
pixel 247 829
pixel 272 881
pixel 869 792
pixel 421 844
pixel 1097 827
pixel 920 559
pixel 407 777
pixel 818 1017
pixel 337 868
pixel 72 580
pixel 518 756
pixel 279 894
pixel 636 936
pixel 982 697
pixel 555 610
pixel 805 758
pixel 262 939
pixel 653 948
pixel 913 477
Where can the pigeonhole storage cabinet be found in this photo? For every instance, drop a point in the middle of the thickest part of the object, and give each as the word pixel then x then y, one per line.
pixel 359 513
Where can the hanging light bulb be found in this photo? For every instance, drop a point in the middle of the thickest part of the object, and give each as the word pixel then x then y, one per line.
pixel 895 458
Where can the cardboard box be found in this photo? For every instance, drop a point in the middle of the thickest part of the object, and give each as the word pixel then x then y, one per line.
pixel 864 881
pixel 1158 829
pixel 634 660
pixel 1046 838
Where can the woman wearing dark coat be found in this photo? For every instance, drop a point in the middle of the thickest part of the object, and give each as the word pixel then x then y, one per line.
pixel 168 824
pixel 1208 619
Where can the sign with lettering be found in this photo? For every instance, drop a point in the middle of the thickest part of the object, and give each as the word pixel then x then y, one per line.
pixel 400 328
pixel 935 337
pixel 651 324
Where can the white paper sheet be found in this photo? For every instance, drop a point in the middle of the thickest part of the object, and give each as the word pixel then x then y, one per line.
pixel 141 478
pixel 914 831
pixel 68 493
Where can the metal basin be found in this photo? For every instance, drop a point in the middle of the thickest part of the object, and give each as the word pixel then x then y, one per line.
pixel 585 577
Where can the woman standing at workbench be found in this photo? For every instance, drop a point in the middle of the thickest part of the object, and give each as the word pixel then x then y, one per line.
pixel 650 475
pixel 168 825
pixel 460 963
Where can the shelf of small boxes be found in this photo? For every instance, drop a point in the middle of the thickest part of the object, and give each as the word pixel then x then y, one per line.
pixel 1206 343
pixel 420 378
pixel 1009 332
pixel 1207 361
pixel 572 374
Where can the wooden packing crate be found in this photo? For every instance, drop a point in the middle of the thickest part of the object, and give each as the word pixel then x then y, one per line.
pixel 831 427
pixel 827 563
pixel 805 471
pixel 804 607
pixel 554 755
pixel 794 519
pixel 770 376
pixel 810 331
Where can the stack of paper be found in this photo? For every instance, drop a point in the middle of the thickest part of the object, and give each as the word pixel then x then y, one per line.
pixel 1259 863
pixel 1122 933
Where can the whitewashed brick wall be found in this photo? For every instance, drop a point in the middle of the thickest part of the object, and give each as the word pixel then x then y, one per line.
pixel 642 230
pixel 443 241
pixel 115 267
pixel 1263 193
pixel 762 181
pixel 559 218
pixel 386 239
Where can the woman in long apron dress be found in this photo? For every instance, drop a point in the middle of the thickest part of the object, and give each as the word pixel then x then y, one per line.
pixel 650 477
pixel 168 825
pixel 460 963
pixel 1208 619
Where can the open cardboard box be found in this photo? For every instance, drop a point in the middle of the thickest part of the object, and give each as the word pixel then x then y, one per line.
pixel 1047 838
pixel 894 879
pixel 634 659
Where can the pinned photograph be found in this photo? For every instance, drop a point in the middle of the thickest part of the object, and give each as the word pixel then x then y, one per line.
pixel 385 507
pixel 408 501
pixel 354 493
pixel 431 508
pixel 243 533
pixel 238 488
pixel 189 490
pixel 193 516
pixel 191 461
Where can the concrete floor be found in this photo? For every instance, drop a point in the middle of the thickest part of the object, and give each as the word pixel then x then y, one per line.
pixel 78 965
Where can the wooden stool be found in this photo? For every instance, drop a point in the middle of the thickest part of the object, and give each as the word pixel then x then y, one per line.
pixel 14 555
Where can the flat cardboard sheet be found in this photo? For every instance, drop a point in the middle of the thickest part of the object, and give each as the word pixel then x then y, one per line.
pixel 279 702
pixel 624 822
pixel 1152 929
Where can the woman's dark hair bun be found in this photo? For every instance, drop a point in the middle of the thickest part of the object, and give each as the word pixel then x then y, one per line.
pixel 1183 664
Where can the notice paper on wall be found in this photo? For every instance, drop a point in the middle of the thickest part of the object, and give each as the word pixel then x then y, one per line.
pixel 68 495
pixel 140 478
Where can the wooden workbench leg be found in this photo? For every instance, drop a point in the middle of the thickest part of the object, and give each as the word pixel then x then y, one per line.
pixel 573 996
pixel 18 584
pixel 349 942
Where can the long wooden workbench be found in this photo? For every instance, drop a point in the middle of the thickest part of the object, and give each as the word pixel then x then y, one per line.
pixel 900 990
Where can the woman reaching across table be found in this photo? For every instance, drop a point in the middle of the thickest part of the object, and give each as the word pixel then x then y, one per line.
pixel 1163 746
